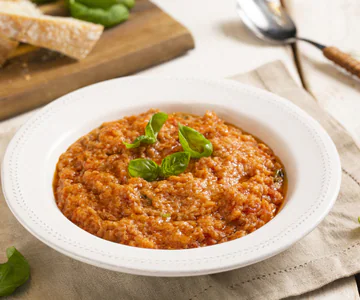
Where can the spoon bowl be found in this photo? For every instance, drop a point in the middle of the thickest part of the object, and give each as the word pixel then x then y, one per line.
pixel 267 20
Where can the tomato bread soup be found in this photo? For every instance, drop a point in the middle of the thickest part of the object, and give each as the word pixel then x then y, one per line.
pixel 235 189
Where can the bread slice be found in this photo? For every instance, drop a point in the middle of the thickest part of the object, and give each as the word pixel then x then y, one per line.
pixel 7 47
pixel 69 36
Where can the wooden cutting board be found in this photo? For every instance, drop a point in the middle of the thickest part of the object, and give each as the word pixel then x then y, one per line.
pixel 36 77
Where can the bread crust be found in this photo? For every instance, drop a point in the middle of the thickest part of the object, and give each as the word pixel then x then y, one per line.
pixel 69 36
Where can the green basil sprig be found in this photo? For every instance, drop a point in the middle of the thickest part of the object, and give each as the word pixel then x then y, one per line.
pixel 107 17
pixel 149 170
pixel 144 168
pixel 194 142
pixel 14 273
pixel 107 3
pixel 174 164
pixel 151 131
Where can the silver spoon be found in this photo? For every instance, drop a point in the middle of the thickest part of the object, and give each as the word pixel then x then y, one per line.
pixel 268 20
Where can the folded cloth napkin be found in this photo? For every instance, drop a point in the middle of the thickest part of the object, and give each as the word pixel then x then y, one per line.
pixel 328 253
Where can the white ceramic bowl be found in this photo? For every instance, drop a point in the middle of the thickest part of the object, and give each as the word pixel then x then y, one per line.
pixel 310 158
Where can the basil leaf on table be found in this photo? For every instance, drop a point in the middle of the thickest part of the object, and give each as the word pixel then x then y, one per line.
pixel 174 164
pixel 194 142
pixel 14 273
pixel 106 3
pixel 144 168
pixel 152 130
pixel 107 17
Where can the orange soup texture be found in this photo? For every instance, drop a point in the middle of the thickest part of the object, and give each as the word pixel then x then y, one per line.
pixel 217 199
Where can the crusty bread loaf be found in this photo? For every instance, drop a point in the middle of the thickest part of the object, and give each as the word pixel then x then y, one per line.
pixel 69 36
pixel 7 46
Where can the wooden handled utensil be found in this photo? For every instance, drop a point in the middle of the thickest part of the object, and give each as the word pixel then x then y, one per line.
pixel 268 20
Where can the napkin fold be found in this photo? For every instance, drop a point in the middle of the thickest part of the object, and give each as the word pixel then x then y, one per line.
pixel 330 252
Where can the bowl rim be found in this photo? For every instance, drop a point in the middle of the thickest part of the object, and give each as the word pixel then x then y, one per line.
pixel 156 270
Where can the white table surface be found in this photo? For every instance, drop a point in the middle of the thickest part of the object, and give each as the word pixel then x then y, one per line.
pixel 224 48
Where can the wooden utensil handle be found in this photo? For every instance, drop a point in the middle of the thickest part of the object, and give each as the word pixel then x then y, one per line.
pixel 343 60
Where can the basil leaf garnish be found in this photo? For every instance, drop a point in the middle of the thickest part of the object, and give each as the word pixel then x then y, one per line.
pixel 174 164
pixel 14 273
pixel 152 130
pixel 141 139
pixel 171 165
pixel 194 142
pixel 144 168
pixel 155 124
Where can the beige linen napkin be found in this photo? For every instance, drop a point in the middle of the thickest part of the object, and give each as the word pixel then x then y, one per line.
pixel 330 252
